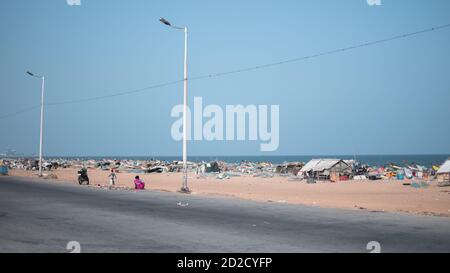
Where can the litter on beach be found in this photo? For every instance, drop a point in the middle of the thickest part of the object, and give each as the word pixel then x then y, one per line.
pixel 314 171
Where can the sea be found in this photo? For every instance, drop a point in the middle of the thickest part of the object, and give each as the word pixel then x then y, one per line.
pixel 371 160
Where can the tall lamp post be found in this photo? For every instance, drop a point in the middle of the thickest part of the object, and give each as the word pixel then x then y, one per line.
pixel 42 117
pixel 184 186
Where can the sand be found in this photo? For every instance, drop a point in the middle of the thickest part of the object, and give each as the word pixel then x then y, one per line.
pixel 376 196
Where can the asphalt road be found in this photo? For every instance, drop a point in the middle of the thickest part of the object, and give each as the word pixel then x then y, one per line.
pixel 43 216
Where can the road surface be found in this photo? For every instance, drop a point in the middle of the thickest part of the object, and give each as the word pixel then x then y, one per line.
pixel 43 216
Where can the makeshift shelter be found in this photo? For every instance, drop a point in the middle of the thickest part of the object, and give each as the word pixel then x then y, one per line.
pixel 443 174
pixel 289 168
pixel 326 169
pixel 212 167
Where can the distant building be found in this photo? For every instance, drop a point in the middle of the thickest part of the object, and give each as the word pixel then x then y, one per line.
pixel 333 169
pixel 443 174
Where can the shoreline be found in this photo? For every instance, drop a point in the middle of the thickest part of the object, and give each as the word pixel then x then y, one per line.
pixel 369 159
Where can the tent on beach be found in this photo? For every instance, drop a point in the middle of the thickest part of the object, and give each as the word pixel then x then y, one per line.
pixel 443 174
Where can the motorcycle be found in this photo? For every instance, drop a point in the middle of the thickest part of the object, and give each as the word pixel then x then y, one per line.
pixel 83 177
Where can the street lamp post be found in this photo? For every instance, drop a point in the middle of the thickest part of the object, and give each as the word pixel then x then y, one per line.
pixel 42 118
pixel 184 186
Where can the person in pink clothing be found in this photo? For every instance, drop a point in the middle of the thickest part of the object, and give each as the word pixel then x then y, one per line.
pixel 138 183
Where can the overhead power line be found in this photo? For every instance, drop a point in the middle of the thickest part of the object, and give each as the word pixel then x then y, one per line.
pixel 29 109
pixel 262 66
pixel 116 94
pixel 93 98
pixel 241 70
pixel 402 36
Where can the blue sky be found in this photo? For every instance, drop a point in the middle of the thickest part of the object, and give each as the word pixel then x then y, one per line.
pixel 392 98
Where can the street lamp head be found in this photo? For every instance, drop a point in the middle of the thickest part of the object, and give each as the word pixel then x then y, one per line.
pixel 165 22
pixel 34 75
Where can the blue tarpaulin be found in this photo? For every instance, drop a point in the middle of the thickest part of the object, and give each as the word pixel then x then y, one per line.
pixel 3 170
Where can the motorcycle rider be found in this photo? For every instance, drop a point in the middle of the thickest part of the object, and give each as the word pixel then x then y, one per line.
pixel 83 176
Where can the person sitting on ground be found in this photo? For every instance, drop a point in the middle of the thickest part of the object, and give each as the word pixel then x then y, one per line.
pixel 138 183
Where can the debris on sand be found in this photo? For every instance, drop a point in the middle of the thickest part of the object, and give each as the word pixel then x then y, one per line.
pixel 419 185
pixel 444 184
pixel 359 207
pixel 314 171
pixel 222 176
pixel 49 176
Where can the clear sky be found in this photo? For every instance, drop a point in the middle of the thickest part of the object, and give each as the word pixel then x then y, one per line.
pixel 392 98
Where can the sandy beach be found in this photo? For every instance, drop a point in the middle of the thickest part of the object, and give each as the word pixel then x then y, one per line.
pixel 376 196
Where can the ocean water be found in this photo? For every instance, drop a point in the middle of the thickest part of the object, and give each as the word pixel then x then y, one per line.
pixel 372 160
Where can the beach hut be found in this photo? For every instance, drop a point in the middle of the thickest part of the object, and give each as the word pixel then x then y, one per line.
pixel 327 168
pixel 443 174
